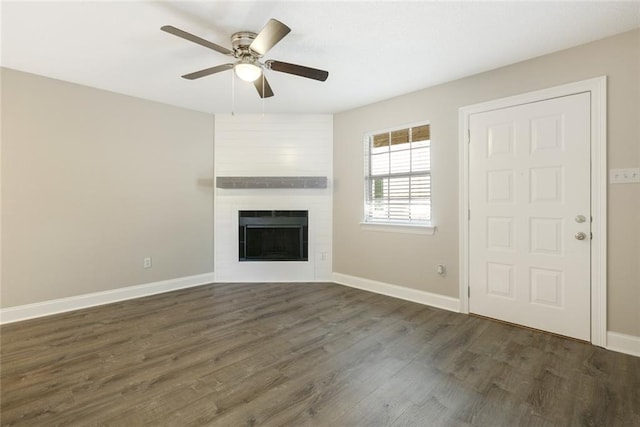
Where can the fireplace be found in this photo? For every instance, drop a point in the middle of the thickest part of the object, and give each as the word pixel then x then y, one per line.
pixel 273 235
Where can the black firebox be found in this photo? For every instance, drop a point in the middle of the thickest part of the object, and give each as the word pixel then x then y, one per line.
pixel 273 235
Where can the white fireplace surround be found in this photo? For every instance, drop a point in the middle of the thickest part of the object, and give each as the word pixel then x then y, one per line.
pixel 273 146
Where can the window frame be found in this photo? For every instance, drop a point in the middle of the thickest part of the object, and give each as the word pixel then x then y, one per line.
pixel 418 227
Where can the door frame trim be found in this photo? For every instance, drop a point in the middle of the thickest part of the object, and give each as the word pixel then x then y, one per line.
pixel 597 87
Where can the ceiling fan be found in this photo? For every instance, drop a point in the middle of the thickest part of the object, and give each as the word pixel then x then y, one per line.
pixel 248 49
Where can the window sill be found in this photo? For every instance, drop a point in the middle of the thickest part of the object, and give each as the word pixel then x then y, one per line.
pixel 426 229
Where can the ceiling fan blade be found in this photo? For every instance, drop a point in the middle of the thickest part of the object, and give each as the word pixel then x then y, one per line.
pixel 298 70
pixel 188 36
pixel 207 71
pixel 263 88
pixel 269 36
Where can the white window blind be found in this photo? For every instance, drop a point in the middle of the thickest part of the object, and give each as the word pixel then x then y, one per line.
pixel 398 176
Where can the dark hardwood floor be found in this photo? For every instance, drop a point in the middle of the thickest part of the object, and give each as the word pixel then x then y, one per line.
pixel 303 354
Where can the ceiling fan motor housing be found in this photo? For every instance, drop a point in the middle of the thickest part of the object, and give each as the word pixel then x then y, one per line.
pixel 241 42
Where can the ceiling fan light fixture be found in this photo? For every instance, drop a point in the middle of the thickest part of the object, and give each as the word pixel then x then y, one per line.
pixel 247 70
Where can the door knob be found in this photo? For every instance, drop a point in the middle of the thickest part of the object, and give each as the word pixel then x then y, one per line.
pixel 580 235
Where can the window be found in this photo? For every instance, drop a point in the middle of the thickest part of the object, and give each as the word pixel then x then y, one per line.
pixel 398 176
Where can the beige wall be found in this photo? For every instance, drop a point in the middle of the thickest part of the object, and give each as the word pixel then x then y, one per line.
pixel 93 182
pixel 409 260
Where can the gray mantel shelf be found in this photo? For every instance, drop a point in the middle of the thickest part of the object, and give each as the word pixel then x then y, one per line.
pixel 266 182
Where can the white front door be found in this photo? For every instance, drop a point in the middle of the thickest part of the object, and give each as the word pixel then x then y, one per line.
pixel 529 227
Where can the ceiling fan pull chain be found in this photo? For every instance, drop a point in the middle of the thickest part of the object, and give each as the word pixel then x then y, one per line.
pixel 263 91
pixel 233 94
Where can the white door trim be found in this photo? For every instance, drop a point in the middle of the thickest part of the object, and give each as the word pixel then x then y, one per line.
pixel 598 90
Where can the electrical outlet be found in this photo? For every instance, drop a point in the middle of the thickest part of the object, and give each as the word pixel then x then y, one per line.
pixel 441 269
pixel 624 176
pixel 146 263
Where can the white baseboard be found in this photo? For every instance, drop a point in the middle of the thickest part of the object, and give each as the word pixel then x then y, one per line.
pixel 414 295
pixel 623 343
pixel 46 308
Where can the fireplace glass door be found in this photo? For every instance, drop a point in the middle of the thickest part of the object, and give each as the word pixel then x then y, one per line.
pixel 273 236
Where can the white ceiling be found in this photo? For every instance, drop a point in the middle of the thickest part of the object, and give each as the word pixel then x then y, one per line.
pixel 372 50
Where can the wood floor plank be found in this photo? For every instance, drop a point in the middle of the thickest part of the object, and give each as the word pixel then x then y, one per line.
pixel 299 354
pixel 353 344
pixel 177 362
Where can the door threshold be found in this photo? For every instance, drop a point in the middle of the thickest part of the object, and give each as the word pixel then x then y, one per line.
pixel 504 322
